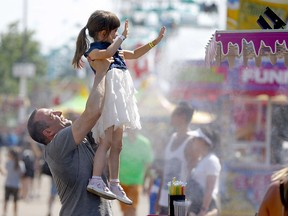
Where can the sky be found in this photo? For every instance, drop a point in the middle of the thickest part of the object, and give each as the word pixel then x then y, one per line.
pixel 57 22
pixel 54 21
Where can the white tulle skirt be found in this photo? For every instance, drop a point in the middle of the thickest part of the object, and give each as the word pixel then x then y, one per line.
pixel 120 108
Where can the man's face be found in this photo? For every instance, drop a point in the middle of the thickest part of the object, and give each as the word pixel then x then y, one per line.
pixel 177 118
pixel 54 120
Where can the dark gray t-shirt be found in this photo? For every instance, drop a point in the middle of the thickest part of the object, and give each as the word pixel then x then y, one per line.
pixel 71 166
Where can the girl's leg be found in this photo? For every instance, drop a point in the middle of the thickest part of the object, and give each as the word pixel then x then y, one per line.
pixel 114 161
pixel 114 156
pixel 100 157
pixel 96 184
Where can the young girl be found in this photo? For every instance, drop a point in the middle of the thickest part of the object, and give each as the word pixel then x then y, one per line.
pixel 119 108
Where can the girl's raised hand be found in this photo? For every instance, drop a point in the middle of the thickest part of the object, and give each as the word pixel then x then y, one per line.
pixel 161 35
pixel 162 32
pixel 125 31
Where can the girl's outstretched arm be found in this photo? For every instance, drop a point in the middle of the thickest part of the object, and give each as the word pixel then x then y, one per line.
pixel 97 54
pixel 140 51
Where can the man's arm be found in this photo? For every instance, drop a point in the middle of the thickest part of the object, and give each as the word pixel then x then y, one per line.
pixel 83 125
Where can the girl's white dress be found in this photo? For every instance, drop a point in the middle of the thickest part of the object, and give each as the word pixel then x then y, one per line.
pixel 120 109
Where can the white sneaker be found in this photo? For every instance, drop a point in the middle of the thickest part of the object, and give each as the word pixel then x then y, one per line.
pixel 120 194
pixel 98 187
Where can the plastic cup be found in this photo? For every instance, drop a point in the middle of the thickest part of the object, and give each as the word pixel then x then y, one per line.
pixel 171 199
pixel 181 207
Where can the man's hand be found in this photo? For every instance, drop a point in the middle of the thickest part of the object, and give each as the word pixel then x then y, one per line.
pixel 102 65
pixel 121 54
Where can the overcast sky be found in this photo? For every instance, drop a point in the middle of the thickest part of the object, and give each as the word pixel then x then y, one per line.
pixel 54 21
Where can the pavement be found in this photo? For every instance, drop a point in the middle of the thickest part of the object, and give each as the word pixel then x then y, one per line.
pixel 37 205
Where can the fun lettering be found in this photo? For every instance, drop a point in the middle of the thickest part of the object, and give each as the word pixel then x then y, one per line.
pixel 264 76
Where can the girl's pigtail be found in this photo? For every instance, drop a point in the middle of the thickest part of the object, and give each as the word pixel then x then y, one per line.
pixel 81 47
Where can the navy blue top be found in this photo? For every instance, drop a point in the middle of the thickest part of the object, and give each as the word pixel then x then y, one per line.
pixel 118 61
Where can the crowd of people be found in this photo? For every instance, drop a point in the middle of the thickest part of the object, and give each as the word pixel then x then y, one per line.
pixel 21 166
pixel 187 154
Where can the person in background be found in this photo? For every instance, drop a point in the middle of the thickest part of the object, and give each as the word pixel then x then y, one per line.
pixel 203 184
pixel 28 158
pixel 175 161
pixel 155 182
pixel 14 170
pixel 69 152
pixel 120 110
pixel 1 161
pixel 45 170
pixel 275 200
pixel 136 157
pixel 52 196
pixel 29 154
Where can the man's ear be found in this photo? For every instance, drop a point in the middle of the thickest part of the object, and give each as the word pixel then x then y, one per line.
pixel 47 132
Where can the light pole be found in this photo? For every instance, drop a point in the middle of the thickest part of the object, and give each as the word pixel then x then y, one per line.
pixel 23 69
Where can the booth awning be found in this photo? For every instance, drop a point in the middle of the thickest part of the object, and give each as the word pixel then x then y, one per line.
pixel 247 44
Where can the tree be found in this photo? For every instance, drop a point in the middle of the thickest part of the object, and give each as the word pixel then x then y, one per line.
pixel 11 52
pixel 52 70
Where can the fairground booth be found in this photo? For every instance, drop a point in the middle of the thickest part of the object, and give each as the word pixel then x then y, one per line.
pixel 253 60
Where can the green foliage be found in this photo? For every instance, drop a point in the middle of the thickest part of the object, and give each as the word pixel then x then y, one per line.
pixel 12 50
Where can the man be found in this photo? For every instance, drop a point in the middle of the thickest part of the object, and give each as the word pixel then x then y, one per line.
pixel 176 162
pixel 136 156
pixel 69 153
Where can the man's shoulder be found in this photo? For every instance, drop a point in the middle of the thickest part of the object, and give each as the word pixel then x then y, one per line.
pixel 61 140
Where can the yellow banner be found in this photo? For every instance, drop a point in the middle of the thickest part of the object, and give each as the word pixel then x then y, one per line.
pixel 250 12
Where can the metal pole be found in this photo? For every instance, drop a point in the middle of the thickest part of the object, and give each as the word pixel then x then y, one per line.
pixel 268 131
pixel 22 78
pixel 24 46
